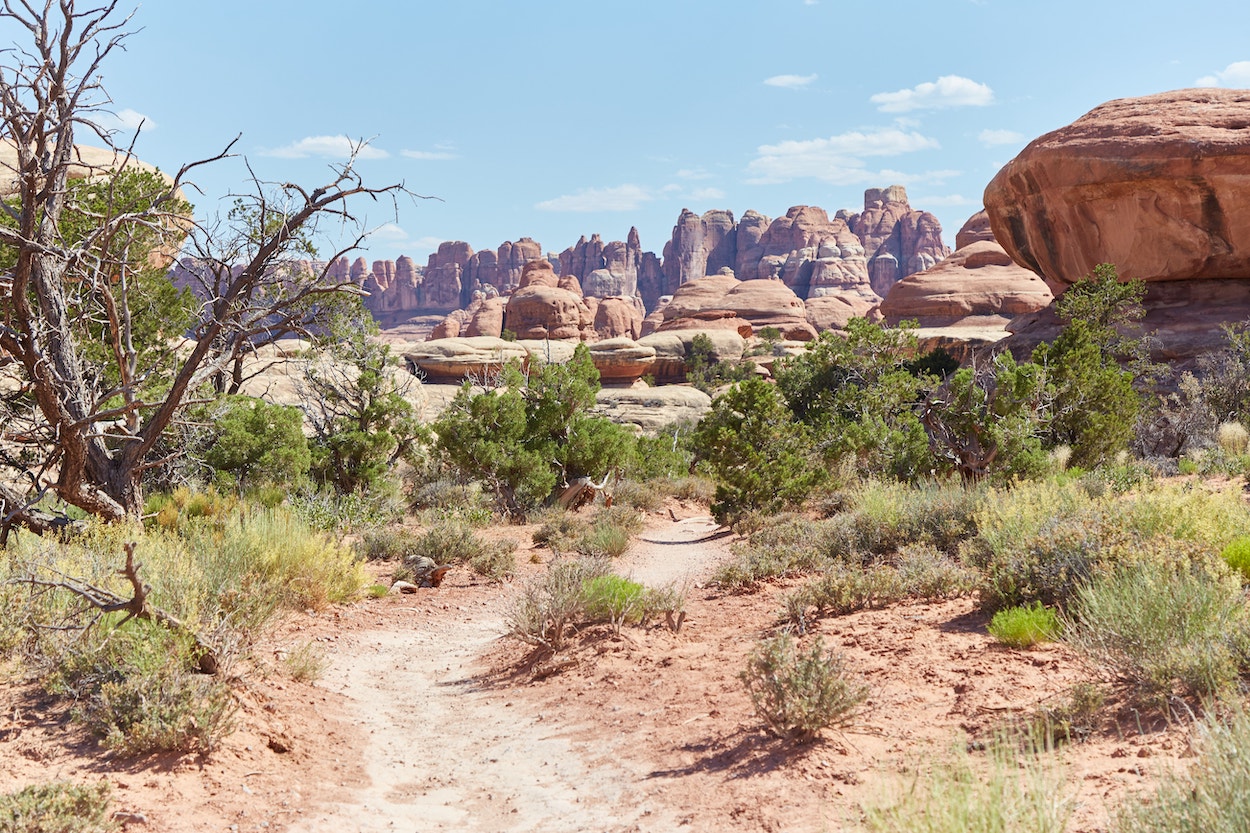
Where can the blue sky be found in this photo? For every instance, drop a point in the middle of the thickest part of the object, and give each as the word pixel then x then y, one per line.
pixel 557 119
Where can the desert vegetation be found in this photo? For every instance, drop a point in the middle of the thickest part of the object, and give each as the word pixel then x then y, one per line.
pixel 158 524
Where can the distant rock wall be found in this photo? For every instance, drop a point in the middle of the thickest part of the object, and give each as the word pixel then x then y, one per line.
pixel 855 257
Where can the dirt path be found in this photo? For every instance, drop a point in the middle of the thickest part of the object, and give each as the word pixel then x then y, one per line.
pixel 447 753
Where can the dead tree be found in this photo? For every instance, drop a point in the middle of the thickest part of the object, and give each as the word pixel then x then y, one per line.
pixel 136 607
pixel 81 416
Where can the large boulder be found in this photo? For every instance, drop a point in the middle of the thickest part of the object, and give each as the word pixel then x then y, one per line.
pixel 722 302
pixel 619 316
pixel 452 360
pixel 652 409
pixel 538 311
pixel 1154 185
pixel 621 361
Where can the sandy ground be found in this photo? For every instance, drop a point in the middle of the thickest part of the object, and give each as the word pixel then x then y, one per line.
pixel 427 720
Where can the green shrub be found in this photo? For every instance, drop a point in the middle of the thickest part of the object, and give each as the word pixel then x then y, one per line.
pixel 954 797
pixel 1211 797
pixel 797 693
pixel 891 514
pixel 135 689
pixel 1024 627
pixel 1156 625
pixel 757 453
pixel 58 807
pixel 255 443
pixel 526 436
pixel 1237 556
pixel 785 545
pixel 929 574
pixel 613 598
pixel 844 589
pixel 547 609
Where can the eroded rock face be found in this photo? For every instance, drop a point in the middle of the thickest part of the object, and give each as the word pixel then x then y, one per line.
pixel 652 409
pixel 1154 185
pixel 451 360
pixel 966 301
pixel 722 302
pixel 672 347
pixel 537 311
pixel 621 361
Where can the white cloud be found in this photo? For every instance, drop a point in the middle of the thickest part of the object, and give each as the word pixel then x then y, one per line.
pixel 332 147
pixel 1236 74
pixel 693 173
pixel 792 82
pixel 990 138
pixel 836 160
pixel 947 91
pixel 429 155
pixel 618 198
pixel 707 194
pixel 389 233
pixel 123 121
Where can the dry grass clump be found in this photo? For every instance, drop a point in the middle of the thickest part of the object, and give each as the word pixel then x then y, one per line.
pixel 607 533
pixel 1164 625
pixel 454 542
pixel 797 693
pixel 1007 795
pixel 1211 797
pixel 583 592
pixel 57 807
pixel 134 682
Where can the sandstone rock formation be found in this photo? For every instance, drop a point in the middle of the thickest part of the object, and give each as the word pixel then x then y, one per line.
pixel 673 346
pixel 1154 185
pixel 855 257
pixel 722 302
pixel 652 409
pixel 539 311
pixel 979 285
pixel 621 361
pixel 452 360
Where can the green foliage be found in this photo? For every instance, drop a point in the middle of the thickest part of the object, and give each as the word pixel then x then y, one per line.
pixel 858 396
pixel 57 807
pixel 137 692
pixel 362 424
pixel 547 609
pixel 1157 625
pixel 1211 796
pixel 254 443
pixel 799 692
pixel 706 373
pixel 919 571
pixel 1094 406
pixel 613 598
pixel 986 420
pixel 955 797
pixel 1040 541
pixel 1237 556
pixel 1026 626
pixel 527 436
pixel 756 452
